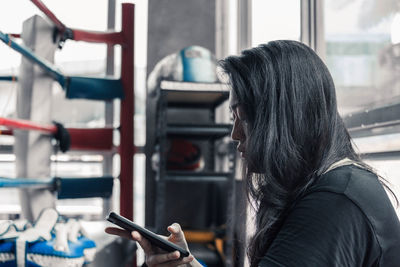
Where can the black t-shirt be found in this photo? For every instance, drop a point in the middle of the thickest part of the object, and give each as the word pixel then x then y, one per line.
pixel 344 219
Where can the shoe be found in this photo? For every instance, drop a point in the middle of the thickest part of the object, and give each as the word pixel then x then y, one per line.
pixel 46 243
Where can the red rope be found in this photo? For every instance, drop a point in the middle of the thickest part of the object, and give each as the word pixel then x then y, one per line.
pixel 49 14
pixel 98 37
pixel 100 139
pixel 91 139
pixel 6 132
pixel 81 35
pixel 15 35
pixel 27 125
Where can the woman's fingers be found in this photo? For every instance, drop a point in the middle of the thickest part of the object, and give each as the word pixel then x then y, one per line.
pixel 178 262
pixel 118 231
pixel 163 259
pixel 143 242
pixel 167 260
pixel 157 259
pixel 134 235
pixel 176 233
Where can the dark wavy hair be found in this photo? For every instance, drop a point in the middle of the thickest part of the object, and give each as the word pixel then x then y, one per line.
pixel 295 131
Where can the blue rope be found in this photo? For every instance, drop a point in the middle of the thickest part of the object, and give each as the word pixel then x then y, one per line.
pixel 9 78
pixel 26 52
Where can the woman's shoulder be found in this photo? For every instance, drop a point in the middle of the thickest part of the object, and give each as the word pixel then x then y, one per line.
pixel 362 187
pixel 346 179
pixel 364 190
pixel 356 183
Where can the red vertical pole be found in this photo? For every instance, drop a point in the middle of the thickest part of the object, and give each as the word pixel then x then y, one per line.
pixel 127 112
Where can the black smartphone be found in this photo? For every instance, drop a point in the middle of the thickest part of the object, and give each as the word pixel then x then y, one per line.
pixel 152 237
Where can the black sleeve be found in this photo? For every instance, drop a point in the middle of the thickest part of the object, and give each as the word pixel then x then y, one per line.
pixel 323 229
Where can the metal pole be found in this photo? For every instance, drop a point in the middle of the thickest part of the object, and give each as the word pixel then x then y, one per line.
pixel 226 28
pixel 312 25
pixel 109 105
pixel 244 24
pixel 127 112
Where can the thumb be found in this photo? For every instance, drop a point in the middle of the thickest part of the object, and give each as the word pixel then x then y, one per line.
pixel 176 233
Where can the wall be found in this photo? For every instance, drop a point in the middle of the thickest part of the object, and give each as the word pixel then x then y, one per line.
pixel 174 24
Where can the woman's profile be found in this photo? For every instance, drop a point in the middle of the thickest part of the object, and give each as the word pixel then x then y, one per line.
pixel 316 202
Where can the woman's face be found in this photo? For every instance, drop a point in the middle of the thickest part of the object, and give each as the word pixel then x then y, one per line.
pixel 239 130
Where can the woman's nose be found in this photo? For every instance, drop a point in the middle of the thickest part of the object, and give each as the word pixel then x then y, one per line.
pixel 237 131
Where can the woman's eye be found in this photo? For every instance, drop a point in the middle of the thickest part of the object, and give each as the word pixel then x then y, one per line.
pixel 241 117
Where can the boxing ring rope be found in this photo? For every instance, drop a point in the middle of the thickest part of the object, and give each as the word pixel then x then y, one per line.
pixel 6 132
pixel 75 87
pixel 15 35
pixel 9 78
pixel 125 38
pixel 65 187
pixel 111 38
pixel 49 14
pixel 27 125
pixel 99 139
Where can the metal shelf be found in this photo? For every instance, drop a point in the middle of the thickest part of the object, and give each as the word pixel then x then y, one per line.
pixel 194 95
pixel 205 131
pixel 219 187
pixel 180 176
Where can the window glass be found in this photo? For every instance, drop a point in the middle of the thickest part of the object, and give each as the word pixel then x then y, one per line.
pixel 272 20
pixel 378 143
pixel 389 170
pixel 363 52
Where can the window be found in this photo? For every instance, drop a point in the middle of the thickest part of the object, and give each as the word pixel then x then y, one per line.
pixel 272 20
pixel 363 54
pixel 362 42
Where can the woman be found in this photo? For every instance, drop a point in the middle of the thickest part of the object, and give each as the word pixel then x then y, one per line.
pixel 316 202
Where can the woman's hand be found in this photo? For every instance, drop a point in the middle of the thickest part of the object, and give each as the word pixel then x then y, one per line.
pixel 154 255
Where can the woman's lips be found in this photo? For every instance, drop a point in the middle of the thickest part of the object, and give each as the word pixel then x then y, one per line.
pixel 241 151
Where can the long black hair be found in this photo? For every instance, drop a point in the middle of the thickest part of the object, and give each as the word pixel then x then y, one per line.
pixel 295 131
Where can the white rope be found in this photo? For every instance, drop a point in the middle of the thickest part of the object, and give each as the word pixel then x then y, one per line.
pixel 4 257
pixel 52 261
